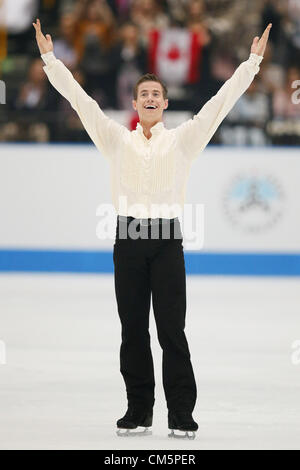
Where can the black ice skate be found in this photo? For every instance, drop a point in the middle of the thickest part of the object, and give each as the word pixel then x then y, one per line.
pixel 182 422
pixel 132 422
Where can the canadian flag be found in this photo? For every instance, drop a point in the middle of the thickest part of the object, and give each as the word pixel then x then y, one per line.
pixel 175 55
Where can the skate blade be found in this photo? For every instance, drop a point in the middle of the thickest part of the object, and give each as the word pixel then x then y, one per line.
pixel 122 432
pixel 190 435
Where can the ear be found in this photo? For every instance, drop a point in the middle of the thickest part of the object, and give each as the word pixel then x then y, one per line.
pixel 134 104
pixel 166 104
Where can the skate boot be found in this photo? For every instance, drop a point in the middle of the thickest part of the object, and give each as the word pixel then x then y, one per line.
pixel 135 422
pixel 182 422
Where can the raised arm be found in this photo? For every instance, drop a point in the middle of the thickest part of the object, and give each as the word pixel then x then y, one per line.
pixel 194 135
pixel 104 132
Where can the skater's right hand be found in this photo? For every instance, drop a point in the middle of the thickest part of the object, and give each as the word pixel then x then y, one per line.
pixel 45 43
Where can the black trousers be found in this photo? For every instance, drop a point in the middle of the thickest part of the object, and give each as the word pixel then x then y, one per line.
pixel 145 266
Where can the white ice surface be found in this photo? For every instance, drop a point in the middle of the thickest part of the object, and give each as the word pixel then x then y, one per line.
pixel 61 387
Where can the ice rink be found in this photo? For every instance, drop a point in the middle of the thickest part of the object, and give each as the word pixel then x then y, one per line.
pixel 60 385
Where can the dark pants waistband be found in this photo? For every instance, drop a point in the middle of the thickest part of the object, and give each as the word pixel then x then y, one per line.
pixel 146 222
pixel 159 228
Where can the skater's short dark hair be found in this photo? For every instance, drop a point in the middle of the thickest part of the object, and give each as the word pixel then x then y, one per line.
pixel 150 77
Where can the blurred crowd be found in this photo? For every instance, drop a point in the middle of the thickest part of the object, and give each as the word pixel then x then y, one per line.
pixel 193 45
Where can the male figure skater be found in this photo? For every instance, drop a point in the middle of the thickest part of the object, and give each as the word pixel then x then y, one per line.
pixel 150 166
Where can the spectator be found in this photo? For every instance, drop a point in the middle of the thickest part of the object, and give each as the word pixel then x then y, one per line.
pixel 275 11
pixel 64 44
pixel 120 9
pixel 177 9
pixel 245 124
pixel 69 127
pixel 94 22
pixel 33 92
pixel 148 15
pixel 131 63
pixel 271 73
pixel 96 48
pixel 36 104
pixel 293 31
pixel 195 11
pixel 203 88
pixel 16 19
pixel 234 22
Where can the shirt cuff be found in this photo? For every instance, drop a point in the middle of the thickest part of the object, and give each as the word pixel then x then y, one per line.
pixel 48 57
pixel 255 59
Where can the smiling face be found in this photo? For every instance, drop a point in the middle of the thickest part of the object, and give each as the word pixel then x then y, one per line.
pixel 150 102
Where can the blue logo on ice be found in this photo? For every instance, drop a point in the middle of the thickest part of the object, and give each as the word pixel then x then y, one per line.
pixel 254 203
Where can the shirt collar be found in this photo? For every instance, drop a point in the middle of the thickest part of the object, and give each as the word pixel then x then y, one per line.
pixel 158 127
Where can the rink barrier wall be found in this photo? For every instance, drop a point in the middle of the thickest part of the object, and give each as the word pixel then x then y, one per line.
pixel 49 195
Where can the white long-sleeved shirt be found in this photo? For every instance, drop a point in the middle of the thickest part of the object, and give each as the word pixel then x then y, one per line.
pixel 149 176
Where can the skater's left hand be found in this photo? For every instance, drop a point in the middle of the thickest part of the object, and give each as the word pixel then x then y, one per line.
pixel 259 44
pixel 44 42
